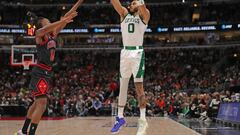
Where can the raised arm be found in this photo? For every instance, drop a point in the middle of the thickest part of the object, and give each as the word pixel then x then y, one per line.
pixel 122 11
pixel 52 26
pixel 144 12
pixel 59 27
pixel 73 9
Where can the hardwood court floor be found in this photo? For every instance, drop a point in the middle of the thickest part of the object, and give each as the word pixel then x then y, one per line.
pixel 98 126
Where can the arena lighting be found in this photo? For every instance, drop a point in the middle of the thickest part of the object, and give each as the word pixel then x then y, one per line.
pixel 235 55
pixel 183 1
pixel 195 5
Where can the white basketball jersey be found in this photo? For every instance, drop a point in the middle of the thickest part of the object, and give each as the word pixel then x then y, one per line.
pixel 133 29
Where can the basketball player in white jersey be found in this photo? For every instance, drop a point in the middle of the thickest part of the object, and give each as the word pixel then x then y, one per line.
pixel 134 20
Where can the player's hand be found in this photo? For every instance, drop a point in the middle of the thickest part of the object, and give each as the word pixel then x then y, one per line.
pixel 69 18
pixel 74 8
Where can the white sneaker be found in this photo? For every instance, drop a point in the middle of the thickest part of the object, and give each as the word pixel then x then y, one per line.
pixel 142 127
pixel 20 133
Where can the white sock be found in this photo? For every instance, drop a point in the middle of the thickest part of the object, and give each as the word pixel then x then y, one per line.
pixel 114 109
pixel 120 112
pixel 143 113
pixel 122 100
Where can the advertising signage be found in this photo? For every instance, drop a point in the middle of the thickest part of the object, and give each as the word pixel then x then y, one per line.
pixel 158 29
pixel 229 112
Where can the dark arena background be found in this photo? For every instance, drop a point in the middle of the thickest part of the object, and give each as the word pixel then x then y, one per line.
pixel 192 73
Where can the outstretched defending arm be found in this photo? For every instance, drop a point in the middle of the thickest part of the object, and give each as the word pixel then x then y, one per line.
pixel 72 10
pixel 144 12
pixel 51 27
pixel 122 11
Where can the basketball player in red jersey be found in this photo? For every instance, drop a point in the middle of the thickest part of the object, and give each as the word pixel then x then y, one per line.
pixel 41 74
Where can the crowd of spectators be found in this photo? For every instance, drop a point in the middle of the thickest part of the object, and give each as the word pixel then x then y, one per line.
pixel 161 15
pixel 188 82
pixel 87 1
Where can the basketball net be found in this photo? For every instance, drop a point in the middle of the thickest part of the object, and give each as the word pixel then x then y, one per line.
pixel 26 64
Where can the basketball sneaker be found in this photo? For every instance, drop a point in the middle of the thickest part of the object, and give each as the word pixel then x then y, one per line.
pixel 142 127
pixel 118 124
pixel 20 133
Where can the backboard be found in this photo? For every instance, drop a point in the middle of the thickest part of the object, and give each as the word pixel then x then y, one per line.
pixel 23 55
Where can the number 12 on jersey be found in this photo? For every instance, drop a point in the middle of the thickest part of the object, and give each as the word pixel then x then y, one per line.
pixel 131 28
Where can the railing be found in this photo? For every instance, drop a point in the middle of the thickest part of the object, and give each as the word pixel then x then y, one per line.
pixel 147 47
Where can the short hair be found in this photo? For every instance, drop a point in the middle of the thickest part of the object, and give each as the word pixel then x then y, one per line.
pixel 38 22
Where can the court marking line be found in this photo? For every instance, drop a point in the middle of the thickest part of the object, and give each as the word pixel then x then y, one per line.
pixel 181 125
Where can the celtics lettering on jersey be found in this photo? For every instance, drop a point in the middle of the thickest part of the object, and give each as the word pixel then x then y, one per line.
pixel 133 30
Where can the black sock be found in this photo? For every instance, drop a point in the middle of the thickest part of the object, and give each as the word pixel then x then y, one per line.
pixel 25 126
pixel 33 129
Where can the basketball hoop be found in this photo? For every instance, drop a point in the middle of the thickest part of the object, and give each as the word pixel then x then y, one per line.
pixel 26 64
pixel 23 55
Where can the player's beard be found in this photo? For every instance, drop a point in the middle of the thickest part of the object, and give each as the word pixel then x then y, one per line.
pixel 133 12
